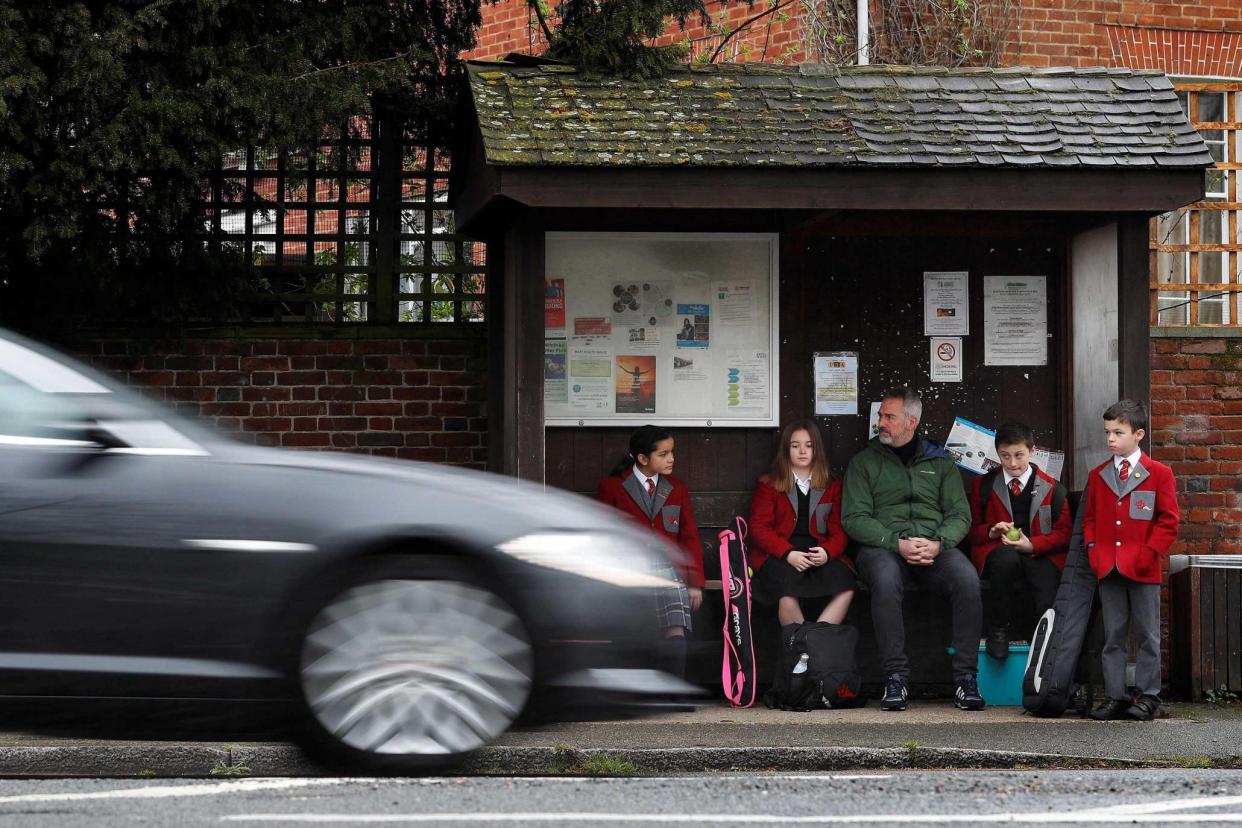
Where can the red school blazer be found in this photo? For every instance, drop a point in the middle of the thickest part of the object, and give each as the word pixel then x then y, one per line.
pixel 672 517
pixel 773 515
pixel 1049 538
pixel 1130 526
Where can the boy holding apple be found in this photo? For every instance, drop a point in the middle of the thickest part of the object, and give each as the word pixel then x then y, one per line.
pixel 1020 531
pixel 1130 519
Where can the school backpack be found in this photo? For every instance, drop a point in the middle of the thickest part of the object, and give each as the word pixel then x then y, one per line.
pixel 737 671
pixel 816 668
pixel 1050 679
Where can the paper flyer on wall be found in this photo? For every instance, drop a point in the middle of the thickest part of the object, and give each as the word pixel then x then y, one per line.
pixel 553 308
pixel 592 326
pixel 735 303
pixel 1015 320
pixel 694 325
pixel 1050 462
pixel 836 383
pixel 946 359
pixel 590 395
pixel 636 303
pixel 946 303
pixel 636 384
pixel 972 446
pixel 692 372
pixel 642 338
pixel 555 388
pixel 591 360
pixel 875 421
pixel 746 379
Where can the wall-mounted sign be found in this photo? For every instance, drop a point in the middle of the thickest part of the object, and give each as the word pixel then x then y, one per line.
pixel 946 359
pixel 946 303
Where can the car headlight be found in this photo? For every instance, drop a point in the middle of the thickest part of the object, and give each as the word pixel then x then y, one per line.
pixel 597 556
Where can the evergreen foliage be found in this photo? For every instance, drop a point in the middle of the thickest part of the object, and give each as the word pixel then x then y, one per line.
pixel 112 110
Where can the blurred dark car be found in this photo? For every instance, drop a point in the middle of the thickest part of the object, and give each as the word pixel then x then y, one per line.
pixel 412 611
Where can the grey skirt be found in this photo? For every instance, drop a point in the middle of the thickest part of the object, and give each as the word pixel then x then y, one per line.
pixel 672 604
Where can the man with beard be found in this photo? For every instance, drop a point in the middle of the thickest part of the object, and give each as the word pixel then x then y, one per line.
pixel 905 507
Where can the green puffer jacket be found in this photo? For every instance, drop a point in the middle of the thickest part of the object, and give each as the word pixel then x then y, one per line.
pixel 884 499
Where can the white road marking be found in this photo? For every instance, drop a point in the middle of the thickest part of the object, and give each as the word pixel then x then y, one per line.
pixel 743 819
pixel 1167 805
pixel 170 791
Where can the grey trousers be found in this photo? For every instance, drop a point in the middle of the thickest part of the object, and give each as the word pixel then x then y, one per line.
pixel 951 574
pixel 1127 605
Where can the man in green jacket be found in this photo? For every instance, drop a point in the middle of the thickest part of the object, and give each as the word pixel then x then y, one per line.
pixel 905 506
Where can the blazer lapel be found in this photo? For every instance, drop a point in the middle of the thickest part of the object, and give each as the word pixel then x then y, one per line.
pixel 792 494
pixel 1109 475
pixel 1038 492
pixel 663 490
pixel 1138 474
pixel 1002 492
pixel 635 489
pixel 816 496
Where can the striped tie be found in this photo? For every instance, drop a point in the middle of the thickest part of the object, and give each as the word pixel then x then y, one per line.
pixel 1124 471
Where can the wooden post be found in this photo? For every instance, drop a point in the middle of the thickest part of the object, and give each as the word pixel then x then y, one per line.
pixel 1133 315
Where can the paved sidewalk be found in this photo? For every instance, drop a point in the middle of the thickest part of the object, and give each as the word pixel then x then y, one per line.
pixel 712 738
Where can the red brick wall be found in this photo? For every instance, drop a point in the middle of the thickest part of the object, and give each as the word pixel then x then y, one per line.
pixel 418 399
pixel 509 27
pixel 1196 427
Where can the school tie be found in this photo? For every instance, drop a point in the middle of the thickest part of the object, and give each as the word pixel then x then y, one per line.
pixel 1015 487
pixel 650 489
pixel 1124 471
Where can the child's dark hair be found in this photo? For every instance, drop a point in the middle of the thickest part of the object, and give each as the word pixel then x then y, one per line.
pixel 1131 412
pixel 642 441
pixel 1014 432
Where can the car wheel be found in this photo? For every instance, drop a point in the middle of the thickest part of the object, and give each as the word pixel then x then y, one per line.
pixel 404 673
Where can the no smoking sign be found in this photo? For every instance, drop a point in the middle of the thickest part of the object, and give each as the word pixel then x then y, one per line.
pixel 946 359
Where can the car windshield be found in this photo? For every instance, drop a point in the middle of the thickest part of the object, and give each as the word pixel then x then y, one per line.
pixel 48 400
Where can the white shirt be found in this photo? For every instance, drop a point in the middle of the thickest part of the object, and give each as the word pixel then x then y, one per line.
pixel 1133 458
pixel 804 486
pixel 1025 476
pixel 642 480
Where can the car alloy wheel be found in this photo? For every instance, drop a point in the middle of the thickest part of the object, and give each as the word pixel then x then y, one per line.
pixel 410 668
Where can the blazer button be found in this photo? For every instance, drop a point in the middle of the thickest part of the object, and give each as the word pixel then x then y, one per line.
pixel 1118 523
pixel 1119 543
pixel 1118 502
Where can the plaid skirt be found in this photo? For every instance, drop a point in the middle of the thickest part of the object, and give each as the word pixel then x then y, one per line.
pixel 672 604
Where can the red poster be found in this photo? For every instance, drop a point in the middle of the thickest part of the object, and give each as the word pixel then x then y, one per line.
pixel 554 304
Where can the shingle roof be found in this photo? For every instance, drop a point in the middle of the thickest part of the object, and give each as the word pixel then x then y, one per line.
pixel 790 116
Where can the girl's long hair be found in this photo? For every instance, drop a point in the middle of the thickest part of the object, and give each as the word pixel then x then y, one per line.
pixel 642 441
pixel 780 475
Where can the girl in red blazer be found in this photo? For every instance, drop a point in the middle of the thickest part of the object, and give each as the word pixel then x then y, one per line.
pixel 796 540
pixel 642 486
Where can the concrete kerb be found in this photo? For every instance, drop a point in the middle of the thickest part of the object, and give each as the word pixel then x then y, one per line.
pixel 221 761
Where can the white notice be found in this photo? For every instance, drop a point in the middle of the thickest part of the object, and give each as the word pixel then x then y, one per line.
pixel 746 379
pixel 946 359
pixel 1015 320
pixel 946 303
pixel 836 383
pixel 972 446
pixel 735 303
pixel 1050 462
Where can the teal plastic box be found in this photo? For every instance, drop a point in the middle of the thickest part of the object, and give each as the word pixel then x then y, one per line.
pixel 1000 682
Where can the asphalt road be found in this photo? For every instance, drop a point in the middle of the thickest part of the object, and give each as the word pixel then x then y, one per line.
pixel 973 798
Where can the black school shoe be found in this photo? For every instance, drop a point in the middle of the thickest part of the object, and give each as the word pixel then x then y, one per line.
pixel 896 696
pixel 997 645
pixel 1111 710
pixel 1144 709
pixel 967 697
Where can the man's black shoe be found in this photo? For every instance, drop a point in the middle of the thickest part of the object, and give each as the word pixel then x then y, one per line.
pixel 895 694
pixel 967 695
pixel 998 643
pixel 1144 709
pixel 1111 710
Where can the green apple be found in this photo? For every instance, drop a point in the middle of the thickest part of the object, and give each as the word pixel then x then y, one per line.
pixel 1013 534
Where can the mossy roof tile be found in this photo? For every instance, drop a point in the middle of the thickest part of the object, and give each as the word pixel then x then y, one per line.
pixel 799 116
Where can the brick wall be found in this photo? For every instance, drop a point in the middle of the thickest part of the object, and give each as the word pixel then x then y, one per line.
pixel 1196 427
pixel 509 27
pixel 418 399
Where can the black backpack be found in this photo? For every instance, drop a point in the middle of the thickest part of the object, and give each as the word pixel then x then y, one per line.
pixel 816 668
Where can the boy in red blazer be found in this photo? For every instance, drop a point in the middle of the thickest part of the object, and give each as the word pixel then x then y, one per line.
pixel 1129 522
pixel 1020 530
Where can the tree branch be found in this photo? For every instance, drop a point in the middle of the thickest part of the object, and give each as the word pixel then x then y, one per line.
pixel 355 65
pixel 745 23
pixel 543 22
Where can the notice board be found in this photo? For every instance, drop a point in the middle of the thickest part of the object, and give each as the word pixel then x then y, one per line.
pixel 674 329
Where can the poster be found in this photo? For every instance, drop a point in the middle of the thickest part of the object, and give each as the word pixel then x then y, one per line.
pixel 590 395
pixel 746 379
pixel 694 326
pixel 692 376
pixel 553 308
pixel 1051 462
pixel 643 337
pixel 946 359
pixel 946 303
pixel 592 326
pixel 735 303
pixel 636 384
pixel 836 383
pixel 590 360
pixel 555 389
pixel 972 446
pixel 874 431
pixel 1015 320
pixel 641 302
